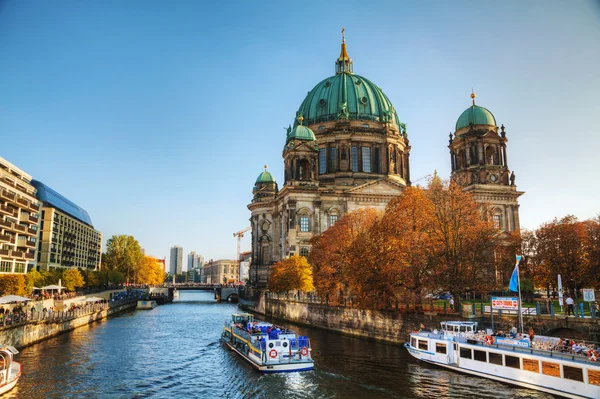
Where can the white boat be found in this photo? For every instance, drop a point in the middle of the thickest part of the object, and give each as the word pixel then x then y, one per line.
pixel 146 305
pixel 544 364
pixel 10 371
pixel 265 346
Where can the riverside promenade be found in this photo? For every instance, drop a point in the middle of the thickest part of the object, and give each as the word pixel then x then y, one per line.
pixel 25 327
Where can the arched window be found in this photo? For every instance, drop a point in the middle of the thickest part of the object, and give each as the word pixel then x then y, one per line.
pixel 304 220
pixel 303 170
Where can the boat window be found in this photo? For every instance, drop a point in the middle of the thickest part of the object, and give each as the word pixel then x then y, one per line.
pixel 531 365
pixel 495 358
pixel 455 347
pixel 573 373
pixel 440 348
pixel 552 369
pixel 480 356
pixel 594 377
pixel 466 353
pixel 413 342
pixel 423 344
pixel 512 361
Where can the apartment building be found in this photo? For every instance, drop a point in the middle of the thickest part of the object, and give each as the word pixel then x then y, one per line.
pixel 19 220
pixel 67 236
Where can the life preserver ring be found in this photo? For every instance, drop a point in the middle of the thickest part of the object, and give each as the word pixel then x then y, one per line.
pixel 488 340
pixel 592 355
pixel 273 353
pixel 304 351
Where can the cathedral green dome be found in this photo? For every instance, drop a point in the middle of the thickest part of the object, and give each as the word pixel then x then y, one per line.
pixel 349 96
pixel 475 115
pixel 265 177
pixel 301 132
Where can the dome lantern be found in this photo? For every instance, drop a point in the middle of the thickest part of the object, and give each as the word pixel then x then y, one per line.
pixel 344 63
pixel 475 115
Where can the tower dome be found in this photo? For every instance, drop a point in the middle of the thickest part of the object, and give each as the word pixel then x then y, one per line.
pixel 475 115
pixel 301 132
pixel 265 177
pixel 347 96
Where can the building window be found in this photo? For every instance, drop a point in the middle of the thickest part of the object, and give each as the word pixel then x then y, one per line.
pixel 333 219
pixel 304 252
pixel 497 221
pixel 366 159
pixel 376 161
pixel 322 161
pixel 332 159
pixel 304 223
pixel 5 267
pixel 355 159
pixel 19 267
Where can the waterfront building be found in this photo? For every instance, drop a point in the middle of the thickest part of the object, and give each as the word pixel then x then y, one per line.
pixel 346 150
pixel 19 220
pixel 245 261
pixel 176 260
pixel 220 271
pixel 479 162
pixel 67 238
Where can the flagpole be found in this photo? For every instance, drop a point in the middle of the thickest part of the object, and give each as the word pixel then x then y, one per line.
pixel 519 285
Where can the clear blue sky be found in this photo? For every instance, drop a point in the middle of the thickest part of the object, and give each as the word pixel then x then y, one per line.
pixel 157 116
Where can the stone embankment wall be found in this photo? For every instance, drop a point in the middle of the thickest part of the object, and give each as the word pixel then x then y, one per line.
pixel 394 327
pixel 35 331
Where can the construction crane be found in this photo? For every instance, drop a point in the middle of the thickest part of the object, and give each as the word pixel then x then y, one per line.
pixel 239 236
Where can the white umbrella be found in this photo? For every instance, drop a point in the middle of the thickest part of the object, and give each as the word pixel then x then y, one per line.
pixel 13 298
pixel 53 287
pixel 93 299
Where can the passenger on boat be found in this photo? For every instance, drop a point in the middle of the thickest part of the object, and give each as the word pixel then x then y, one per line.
pixel 513 332
pixel 531 334
pixel 576 348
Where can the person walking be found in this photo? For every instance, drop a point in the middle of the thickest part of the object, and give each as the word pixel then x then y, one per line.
pixel 569 302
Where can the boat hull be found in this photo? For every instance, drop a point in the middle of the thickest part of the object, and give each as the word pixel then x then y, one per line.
pixel 13 378
pixel 273 368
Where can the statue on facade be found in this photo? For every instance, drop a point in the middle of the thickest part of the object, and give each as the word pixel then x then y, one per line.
pixel 512 178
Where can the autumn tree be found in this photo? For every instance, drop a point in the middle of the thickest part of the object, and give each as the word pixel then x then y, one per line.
pixel 151 272
pixel 465 241
pixel 334 257
pixel 294 273
pixel 72 278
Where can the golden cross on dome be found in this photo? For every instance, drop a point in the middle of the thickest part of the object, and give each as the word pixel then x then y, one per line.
pixel 343 40
pixel 265 168
pixel 473 96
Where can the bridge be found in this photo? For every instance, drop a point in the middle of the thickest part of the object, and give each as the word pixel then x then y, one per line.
pixel 222 293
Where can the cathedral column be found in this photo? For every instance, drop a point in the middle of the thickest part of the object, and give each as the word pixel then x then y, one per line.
pixel 452 164
pixel 481 152
pixel 407 178
pixel 317 212
pixel 467 153
pixel 348 144
pixel 504 154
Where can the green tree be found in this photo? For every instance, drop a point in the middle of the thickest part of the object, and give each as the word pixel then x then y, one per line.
pixel 123 254
pixel 72 278
pixel 33 279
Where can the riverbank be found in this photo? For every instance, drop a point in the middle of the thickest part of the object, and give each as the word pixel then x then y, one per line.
pixel 37 327
pixel 394 327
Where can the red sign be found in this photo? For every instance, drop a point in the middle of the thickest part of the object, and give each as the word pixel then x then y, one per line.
pixel 508 303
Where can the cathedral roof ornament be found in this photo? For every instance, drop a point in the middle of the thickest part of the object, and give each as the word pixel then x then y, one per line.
pixel 344 63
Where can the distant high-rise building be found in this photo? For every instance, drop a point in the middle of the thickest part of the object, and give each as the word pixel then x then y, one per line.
pixel 194 261
pixel 176 260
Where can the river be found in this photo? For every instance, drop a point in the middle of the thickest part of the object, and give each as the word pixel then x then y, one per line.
pixel 173 351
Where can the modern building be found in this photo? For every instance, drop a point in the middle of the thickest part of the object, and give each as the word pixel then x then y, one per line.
pixel 194 261
pixel 67 236
pixel 347 149
pixel 176 261
pixel 479 162
pixel 19 220
pixel 221 272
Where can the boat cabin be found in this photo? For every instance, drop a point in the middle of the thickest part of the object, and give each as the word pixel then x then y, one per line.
pixel 459 327
pixel 243 318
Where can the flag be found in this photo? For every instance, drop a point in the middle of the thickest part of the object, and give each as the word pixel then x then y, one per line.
pixel 514 279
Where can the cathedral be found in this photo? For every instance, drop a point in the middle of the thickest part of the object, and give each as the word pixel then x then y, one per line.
pixel 347 149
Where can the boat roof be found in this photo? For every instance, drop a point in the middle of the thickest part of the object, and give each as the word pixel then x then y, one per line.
pixel 459 323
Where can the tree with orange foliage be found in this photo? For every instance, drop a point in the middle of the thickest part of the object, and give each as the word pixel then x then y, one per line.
pixel 464 241
pixel 294 273
pixel 334 257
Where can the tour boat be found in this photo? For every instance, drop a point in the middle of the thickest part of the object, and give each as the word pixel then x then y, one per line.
pixel 268 348
pixel 146 305
pixel 543 364
pixel 10 371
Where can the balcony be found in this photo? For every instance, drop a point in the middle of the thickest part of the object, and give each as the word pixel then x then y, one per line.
pixel 4 252
pixel 18 254
pixel 33 219
pixel 34 207
pixel 31 232
pixel 6 224
pixel 6 238
pixel 20 228
pixel 30 256
pixel 7 210
pixel 8 196
pixel 22 202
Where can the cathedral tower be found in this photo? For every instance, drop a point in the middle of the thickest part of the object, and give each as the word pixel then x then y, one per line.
pixel 479 161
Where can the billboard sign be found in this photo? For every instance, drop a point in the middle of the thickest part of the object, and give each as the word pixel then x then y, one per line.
pixel 589 295
pixel 506 303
